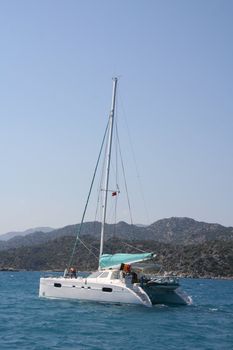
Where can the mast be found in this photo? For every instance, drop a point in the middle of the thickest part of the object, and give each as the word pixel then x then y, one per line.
pixel 108 160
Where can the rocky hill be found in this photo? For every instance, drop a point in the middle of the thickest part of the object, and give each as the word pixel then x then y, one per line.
pixel 187 231
pixel 183 246
pixel 9 235
pixel 174 230
pixel 209 259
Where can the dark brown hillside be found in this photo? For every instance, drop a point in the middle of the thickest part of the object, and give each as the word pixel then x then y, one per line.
pixel 210 259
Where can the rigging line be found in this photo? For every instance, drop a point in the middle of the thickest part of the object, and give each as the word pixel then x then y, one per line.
pixel 131 246
pixel 90 251
pixel 88 197
pixel 100 187
pixel 93 247
pixel 116 160
pixel 135 162
pixel 99 197
pixel 123 170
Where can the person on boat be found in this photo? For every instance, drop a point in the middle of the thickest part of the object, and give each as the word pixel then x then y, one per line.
pixel 73 272
pixel 127 268
pixel 122 272
pixel 134 277
pixel 128 274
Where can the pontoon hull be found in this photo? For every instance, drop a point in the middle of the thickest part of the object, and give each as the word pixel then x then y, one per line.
pixel 167 295
pixel 82 289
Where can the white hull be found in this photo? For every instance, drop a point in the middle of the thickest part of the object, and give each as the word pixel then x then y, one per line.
pixel 92 290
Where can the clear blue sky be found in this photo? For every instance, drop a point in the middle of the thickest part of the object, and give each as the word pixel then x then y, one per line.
pixel 57 60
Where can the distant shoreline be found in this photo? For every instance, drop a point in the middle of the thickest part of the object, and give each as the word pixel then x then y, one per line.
pixel 184 276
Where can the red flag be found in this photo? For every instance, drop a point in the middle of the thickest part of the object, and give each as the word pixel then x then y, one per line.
pixel 114 194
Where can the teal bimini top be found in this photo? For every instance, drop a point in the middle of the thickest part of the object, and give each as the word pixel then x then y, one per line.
pixel 115 260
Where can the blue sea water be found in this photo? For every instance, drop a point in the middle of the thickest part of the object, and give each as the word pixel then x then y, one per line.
pixel 27 322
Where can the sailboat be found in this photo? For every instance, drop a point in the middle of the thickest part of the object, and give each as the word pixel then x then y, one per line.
pixel 115 281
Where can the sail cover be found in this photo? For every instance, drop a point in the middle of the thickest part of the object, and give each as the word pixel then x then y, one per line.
pixel 115 260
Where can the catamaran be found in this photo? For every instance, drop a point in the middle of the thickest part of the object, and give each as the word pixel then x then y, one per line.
pixel 116 280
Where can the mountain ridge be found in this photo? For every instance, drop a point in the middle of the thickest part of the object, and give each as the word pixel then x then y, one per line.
pixel 174 230
pixel 12 234
pixel 183 246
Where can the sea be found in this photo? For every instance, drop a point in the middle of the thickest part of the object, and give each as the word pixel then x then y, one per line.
pixel 30 323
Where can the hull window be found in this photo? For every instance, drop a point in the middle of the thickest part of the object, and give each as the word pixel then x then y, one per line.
pixel 106 289
pixel 58 285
